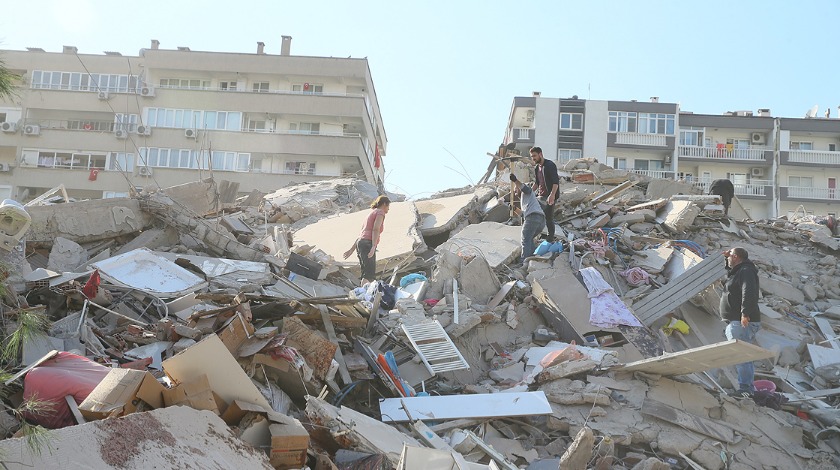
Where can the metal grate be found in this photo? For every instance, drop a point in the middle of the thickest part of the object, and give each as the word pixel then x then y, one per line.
pixel 435 348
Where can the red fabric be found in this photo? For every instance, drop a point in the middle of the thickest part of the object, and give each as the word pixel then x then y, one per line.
pixel 92 285
pixel 367 229
pixel 65 374
pixel 377 160
pixel 93 174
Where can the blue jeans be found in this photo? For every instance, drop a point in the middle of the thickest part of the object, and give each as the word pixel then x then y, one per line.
pixel 746 371
pixel 531 227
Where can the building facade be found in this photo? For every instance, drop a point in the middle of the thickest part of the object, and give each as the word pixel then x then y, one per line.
pixel 778 165
pixel 103 124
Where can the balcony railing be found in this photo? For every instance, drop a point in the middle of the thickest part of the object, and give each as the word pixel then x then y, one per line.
pixel 696 151
pixel 632 138
pixel 661 174
pixel 522 133
pixel 753 188
pixel 812 193
pixel 820 157
pixel 81 125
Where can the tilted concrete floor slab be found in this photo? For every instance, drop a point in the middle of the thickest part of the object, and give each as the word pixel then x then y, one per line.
pixel 398 242
pixel 174 437
pixel 440 215
pixel 94 220
pixel 497 243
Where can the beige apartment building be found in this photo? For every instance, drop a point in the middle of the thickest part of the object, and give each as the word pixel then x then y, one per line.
pixel 778 165
pixel 103 124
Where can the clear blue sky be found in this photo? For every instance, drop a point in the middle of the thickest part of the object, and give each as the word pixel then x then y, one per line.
pixel 446 72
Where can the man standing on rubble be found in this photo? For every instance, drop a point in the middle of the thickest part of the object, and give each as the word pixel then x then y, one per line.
pixel 533 218
pixel 726 190
pixel 739 309
pixel 546 184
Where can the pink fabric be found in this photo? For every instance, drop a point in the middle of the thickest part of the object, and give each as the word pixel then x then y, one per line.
pixel 65 374
pixel 367 229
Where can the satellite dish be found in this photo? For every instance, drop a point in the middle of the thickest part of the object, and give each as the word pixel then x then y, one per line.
pixel 812 113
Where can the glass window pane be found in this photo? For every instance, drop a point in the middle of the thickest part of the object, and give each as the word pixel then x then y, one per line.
pixel 75 81
pixel 161 117
pixel 234 120
pixel 123 83
pixel 243 162
pixel 170 118
pixel 36 79
pixel 209 120
pixel 179 118
pixel 221 118
pixel 185 159
pixel 152 159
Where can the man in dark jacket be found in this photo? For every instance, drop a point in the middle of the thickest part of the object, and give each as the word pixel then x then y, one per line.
pixel 546 183
pixel 726 190
pixel 739 309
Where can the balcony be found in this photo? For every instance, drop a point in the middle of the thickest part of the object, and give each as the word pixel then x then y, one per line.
pixel 813 157
pixel 632 138
pixel 661 174
pixel 810 194
pixel 523 134
pixel 760 189
pixel 725 153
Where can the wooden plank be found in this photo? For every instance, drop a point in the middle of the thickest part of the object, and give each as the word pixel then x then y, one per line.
pixel 455 423
pixel 328 326
pixel 701 271
pixel 725 353
pixel 373 315
pixel 486 405
pixel 342 322
pixel 825 328
pixel 74 409
pixel 688 421
pixel 675 293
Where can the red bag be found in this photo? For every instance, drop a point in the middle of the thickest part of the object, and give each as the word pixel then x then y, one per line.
pixel 65 374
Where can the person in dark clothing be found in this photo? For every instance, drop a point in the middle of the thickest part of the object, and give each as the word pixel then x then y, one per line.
pixel 726 190
pixel 546 184
pixel 739 309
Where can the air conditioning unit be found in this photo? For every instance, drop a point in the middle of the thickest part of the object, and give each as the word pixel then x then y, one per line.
pixel 147 91
pixel 190 133
pixel 4 167
pixel 144 171
pixel 757 171
pixel 8 127
pixel 144 130
pixel 121 134
pixel 757 138
pixel 32 129
pixel 103 95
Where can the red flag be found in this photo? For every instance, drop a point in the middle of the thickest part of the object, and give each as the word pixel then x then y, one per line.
pixel 93 174
pixel 92 285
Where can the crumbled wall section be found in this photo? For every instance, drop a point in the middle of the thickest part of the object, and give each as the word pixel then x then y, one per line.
pixel 91 221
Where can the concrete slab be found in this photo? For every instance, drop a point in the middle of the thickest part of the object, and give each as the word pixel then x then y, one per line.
pixel 497 243
pixel 653 260
pixel 228 269
pixel 94 220
pixel 152 239
pixel 725 353
pixel 679 215
pixel 441 215
pixel 662 188
pixel 478 281
pixel 174 437
pixel 66 255
pixel 399 241
pixel 785 290
pixel 199 197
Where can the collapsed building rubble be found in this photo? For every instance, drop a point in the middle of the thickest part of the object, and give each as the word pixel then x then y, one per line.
pixel 211 329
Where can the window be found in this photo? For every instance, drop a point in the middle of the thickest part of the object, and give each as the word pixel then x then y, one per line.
pixel 651 165
pixel 194 119
pixel 2 117
pixel 260 87
pixel 692 136
pixel 571 121
pixel 652 123
pixel 308 88
pixel 831 147
pixel 256 126
pixel 185 83
pixel 564 155
pixel 304 127
pixel 622 121
pixel 80 81
pixel 802 146
pixel 227 86
pixel 737 178
pixel 300 168
pixel 738 143
pixel 119 161
pixel 126 122
pixel 801 181
pixel 617 163
pixel 112 194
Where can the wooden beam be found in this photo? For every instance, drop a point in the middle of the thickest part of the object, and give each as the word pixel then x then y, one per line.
pixel 342 366
pixel 339 321
pixel 725 353
pixel 74 409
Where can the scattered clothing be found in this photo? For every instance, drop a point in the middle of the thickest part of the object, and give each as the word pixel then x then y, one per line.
pixel 607 310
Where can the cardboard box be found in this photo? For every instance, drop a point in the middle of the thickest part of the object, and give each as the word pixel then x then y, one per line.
pixel 125 389
pixel 195 393
pixel 237 410
pixel 236 330
pixel 289 442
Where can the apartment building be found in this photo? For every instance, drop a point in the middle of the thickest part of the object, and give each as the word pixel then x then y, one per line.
pixel 103 124
pixel 778 165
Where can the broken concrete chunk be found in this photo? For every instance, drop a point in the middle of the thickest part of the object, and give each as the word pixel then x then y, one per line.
pixel 66 255
pixel 478 281
pixel 579 453
pixel 442 214
pixel 629 219
pixel 785 290
pixel 186 332
pixel 498 243
pixel 677 216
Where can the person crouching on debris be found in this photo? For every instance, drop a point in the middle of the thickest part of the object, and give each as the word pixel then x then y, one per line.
pixel 726 190
pixel 365 245
pixel 739 309
pixel 533 218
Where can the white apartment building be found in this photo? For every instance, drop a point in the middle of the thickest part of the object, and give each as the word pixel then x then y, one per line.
pixel 778 165
pixel 102 124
